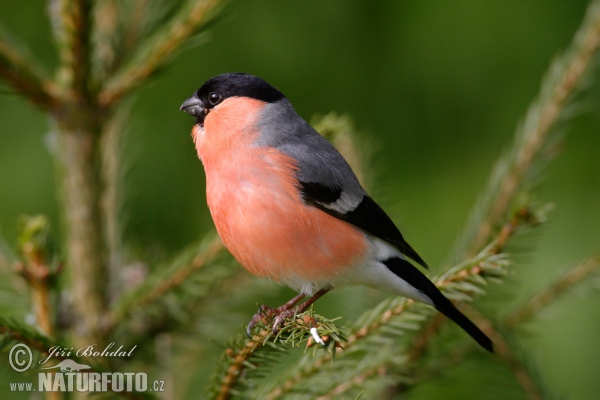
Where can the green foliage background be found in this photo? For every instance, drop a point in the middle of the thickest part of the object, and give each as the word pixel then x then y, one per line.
pixel 436 89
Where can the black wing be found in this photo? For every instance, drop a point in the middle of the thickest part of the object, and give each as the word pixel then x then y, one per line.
pixel 363 213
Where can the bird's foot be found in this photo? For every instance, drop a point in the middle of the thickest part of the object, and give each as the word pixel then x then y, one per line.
pixel 280 314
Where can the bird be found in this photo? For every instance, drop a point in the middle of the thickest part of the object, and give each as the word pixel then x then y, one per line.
pixel 288 206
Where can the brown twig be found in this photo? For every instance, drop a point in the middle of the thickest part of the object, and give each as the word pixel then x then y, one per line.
pixel 181 28
pixel 41 346
pixel 421 342
pixel 110 143
pixel 34 245
pixel 23 75
pixel 74 42
pixel 542 299
pixel 537 128
pixel 355 381
pixel 213 250
pixel 81 191
pixel 106 24
pixel 79 122
pixel 504 350
pixel 132 32
pixel 239 360
pixel 37 274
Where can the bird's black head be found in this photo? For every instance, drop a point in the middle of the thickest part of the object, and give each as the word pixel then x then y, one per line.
pixel 221 87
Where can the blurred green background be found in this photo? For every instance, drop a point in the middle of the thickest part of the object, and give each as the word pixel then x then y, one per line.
pixel 436 89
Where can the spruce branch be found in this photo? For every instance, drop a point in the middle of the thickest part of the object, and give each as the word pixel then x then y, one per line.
pixel 561 286
pixel 37 269
pixel 565 79
pixel 73 37
pixel 507 351
pixel 111 200
pixel 167 279
pixel 85 242
pixel 6 256
pixel 104 37
pixel 245 360
pixel 522 217
pixel 129 22
pixel 11 331
pixel 158 50
pixel 238 361
pixel 530 384
pixel 14 291
pixel 79 124
pixel 355 381
pixel 24 74
pixel 118 28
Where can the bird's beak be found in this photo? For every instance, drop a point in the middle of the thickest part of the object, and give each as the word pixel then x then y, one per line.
pixel 193 106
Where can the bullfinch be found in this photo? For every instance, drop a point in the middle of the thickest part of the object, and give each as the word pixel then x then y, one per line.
pixel 287 205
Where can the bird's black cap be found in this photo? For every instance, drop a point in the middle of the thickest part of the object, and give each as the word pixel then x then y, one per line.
pixel 221 87
pixel 239 84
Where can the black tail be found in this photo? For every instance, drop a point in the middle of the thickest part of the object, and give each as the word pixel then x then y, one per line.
pixel 409 273
pixel 445 306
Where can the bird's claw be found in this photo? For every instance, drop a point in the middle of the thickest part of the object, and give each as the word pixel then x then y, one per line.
pixel 280 314
pixel 264 312
pixel 281 317
pixel 257 317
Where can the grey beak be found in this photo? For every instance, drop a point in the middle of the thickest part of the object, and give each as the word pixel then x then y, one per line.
pixel 193 106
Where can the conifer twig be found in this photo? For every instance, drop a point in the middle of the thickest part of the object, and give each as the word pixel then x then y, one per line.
pixel 74 44
pixel 563 82
pixel 214 248
pixel 502 348
pixel 111 197
pixel 156 51
pixel 79 122
pixel 240 359
pixel 157 290
pixel 506 352
pixel 5 258
pixel 358 380
pixel 33 339
pixel 34 244
pixel 24 74
pixel 106 22
pixel 520 216
pixel 85 246
pixel 37 273
pixel 546 297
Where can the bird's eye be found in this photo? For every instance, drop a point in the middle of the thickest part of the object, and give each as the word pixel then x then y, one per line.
pixel 214 98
